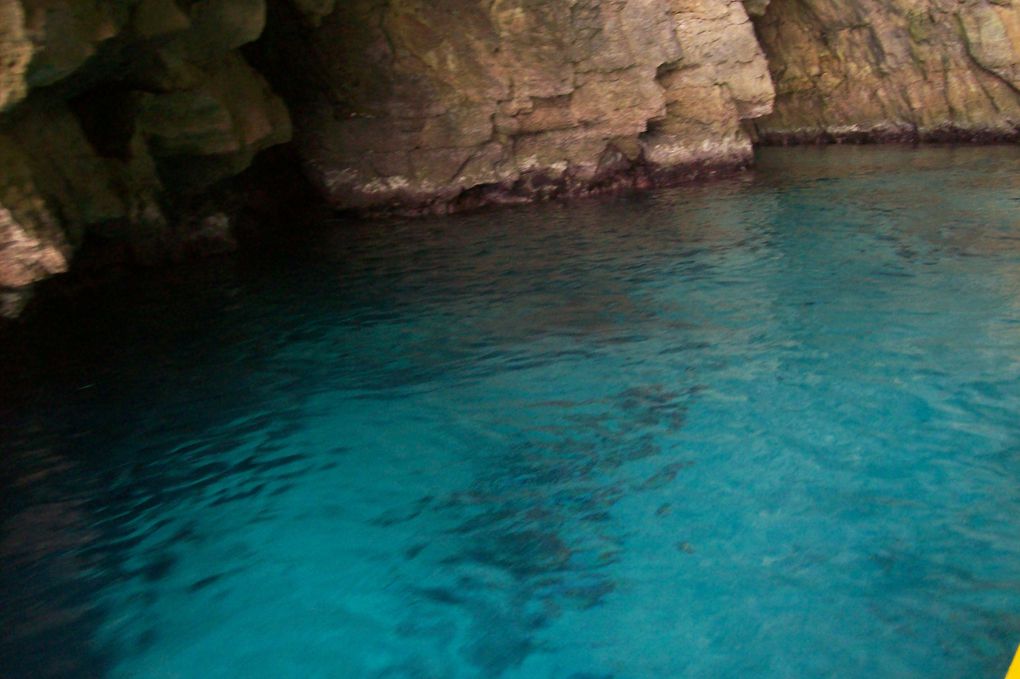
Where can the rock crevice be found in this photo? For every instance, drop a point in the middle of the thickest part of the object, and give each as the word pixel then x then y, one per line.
pixel 116 117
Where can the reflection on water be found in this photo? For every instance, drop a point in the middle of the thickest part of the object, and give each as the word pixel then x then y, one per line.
pixel 761 427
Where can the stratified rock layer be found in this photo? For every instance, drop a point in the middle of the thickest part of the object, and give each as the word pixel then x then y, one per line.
pixel 440 104
pixel 892 69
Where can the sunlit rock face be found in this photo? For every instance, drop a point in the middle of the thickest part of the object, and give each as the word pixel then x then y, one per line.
pixel 892 69
pixel 116 116
pixel 435 105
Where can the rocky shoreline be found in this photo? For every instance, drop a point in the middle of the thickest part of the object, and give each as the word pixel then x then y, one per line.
pixel 891 134
pixel 130 130
pixel 542 186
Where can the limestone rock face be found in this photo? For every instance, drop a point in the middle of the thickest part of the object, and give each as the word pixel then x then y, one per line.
pixel 32 242
pixel 435 104
pixel 115 117
pixel 15 52
pixel 756 8
pixel 120 119
pixel 892 69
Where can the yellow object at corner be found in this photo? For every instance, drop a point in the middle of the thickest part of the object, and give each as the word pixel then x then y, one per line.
pixel 1014 669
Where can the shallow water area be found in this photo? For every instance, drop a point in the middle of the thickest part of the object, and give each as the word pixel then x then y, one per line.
pixel 765 426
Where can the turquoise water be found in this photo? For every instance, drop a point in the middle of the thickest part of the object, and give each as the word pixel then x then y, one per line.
pixel 764 427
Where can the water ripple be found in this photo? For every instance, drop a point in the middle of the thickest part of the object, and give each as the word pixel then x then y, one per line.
pixel 762 427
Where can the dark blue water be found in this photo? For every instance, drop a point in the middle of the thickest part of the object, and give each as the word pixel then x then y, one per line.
pixel 765 427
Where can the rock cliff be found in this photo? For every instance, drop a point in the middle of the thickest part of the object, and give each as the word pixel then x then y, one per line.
pixel 436 104
pixel 122 121
pixel 892 69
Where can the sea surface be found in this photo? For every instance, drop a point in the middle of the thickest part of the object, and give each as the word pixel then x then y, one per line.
pixel 767 426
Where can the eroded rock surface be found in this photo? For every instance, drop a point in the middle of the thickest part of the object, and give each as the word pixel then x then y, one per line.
pixel 115 117
pixel 439 104
pixel 892 69
pixel 120 120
